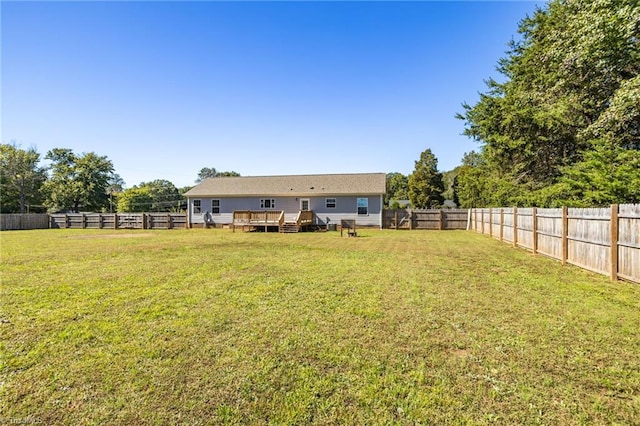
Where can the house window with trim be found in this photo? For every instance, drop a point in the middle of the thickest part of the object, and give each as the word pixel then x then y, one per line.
pixel 363 206
pixel 215 206
pixel 197 206
pixel 267 203
pixel 330 203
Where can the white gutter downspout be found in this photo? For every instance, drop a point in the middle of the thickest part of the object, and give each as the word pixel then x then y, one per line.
pixel 381 211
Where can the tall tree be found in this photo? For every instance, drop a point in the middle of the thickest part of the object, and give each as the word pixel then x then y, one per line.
pixel 164 195
pixel 77 181
pixel 135 200
pixel 425 183
pixel 206 173
pixel 397 187
pixel 211 172
pixel 571 80
pixel 608 174
pixel 114 189
pixel 20 178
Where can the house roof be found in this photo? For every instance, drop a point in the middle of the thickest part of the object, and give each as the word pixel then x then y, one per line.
pixel 292 185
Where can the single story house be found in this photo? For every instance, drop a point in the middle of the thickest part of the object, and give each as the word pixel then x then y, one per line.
pixel 325 198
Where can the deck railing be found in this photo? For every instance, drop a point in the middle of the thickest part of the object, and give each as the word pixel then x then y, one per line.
pixel 250 217
pixel 265 218
pixel 305 217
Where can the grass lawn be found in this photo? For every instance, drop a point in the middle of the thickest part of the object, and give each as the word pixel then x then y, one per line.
pixel 394 327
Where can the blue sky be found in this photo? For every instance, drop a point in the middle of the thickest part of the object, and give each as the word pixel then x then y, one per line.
pixel 261 88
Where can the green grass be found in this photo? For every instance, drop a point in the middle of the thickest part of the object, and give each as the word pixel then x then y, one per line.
pixel 214 327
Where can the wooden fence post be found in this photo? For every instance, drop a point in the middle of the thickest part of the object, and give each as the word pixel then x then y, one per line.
pixel 396 219
pixel 501 224
pixel 169 221
pixel 441 220
pixel 534 229
pixel 515 227
pixel 614 242
pixel 491 221
pixel 565 234
pixel 482 221
pixel 410 220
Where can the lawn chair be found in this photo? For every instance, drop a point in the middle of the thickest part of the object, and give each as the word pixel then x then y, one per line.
pixel 348 225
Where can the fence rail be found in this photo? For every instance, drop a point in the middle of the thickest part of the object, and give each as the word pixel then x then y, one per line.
pixel 425 219
pixel 602 240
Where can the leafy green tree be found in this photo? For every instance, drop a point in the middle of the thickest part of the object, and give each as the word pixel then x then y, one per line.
pixel 454 189
pixel 425 183
pixel 114 189
pixel 165 196
pixel 609 174
pixel 206 173
pixel 77 182
pixel 20 178
pixel 449 180
pixel 397 187
pixel 210 172
pixel 570 81
pixel 135 200
pixel 470 189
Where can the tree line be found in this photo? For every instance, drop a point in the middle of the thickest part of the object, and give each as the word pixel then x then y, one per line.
pixel 563 128
pixel 88 182
pixel 81 182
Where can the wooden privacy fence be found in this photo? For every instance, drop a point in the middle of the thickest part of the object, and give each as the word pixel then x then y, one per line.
pixel 425 219
pixel 602 240
pixel 119 221
pixel 15 222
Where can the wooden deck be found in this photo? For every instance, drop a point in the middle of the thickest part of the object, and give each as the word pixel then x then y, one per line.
pixel 274 219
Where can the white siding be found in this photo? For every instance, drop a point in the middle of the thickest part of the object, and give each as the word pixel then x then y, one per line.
pixel 346 208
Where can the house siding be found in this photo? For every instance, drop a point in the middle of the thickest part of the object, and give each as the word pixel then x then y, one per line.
pixel 346 208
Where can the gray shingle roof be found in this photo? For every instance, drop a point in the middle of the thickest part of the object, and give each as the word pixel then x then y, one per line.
pixel 293 185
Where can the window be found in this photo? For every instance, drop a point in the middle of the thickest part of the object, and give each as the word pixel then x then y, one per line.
pixel 363 206
pixel 215 206
pixel 196 206
pixel 267 203
pixel 330 203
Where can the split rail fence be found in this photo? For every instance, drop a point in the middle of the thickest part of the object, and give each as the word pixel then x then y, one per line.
pixel 442 219
pixel 602 240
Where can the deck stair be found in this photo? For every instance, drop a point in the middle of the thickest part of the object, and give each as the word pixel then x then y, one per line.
pixel 289 228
